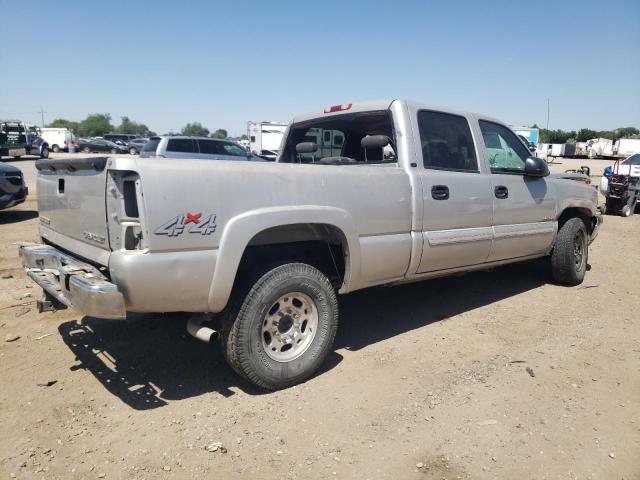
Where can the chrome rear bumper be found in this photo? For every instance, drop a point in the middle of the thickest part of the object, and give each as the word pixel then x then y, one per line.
pixel 73 282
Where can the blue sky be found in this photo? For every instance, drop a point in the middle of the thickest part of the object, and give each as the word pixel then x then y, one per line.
pixel 224 63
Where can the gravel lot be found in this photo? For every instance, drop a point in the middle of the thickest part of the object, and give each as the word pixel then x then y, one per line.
pixel 497 374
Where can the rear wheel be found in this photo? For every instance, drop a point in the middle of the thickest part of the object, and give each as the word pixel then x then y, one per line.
pixel 133 151
pixel 55 148
pixel 45 152
pixel 86 150
pixel 570 253
pixel 114 150
pixel 626 211
pixel 283 329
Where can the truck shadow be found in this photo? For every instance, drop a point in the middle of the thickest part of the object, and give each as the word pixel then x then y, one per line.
pixel 15 216
pixel 149 360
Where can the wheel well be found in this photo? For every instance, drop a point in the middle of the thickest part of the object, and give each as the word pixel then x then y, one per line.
pixel 320 245
pixel 581 213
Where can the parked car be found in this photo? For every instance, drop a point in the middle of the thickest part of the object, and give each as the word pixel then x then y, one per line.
pixel 13 190
pixel 120 138
pixel 195 147
pixel 18 139
pixel 101 145
pixel 136 145
pixel 267 247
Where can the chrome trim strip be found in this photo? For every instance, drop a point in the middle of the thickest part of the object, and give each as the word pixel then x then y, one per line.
pixel 523 229
pixel 460 235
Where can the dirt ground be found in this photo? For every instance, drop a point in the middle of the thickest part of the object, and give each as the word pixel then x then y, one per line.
pixel 491 375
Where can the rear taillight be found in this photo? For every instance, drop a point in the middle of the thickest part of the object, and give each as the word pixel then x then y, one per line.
pixel 338 108
pixel 124 209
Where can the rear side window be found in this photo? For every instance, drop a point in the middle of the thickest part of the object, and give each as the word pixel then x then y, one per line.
pixel 151 145
pixel 216 147
pixel 446 141
pixel 183 145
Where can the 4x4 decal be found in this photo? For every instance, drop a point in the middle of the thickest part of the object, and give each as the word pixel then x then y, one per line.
pixel 190 222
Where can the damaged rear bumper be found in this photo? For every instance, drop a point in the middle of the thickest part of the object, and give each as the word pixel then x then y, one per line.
pixel 72 282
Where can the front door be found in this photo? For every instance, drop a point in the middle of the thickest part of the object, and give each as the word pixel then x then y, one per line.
pixel 523 207
pixel 456 195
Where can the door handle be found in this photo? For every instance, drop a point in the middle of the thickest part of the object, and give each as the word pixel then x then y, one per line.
pixel 440 192
pixel 501 191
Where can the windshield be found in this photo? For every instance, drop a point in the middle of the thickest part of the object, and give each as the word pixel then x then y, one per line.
pixel 632 160
pixel 337 139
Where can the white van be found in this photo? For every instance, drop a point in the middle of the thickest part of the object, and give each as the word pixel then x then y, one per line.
pixel 58 138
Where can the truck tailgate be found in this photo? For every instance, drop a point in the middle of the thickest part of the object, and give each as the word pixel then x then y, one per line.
pixel 71 199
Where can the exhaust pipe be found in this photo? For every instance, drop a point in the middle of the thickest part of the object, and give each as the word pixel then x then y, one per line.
pixel 197 330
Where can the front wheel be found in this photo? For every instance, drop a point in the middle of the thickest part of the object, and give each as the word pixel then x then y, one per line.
pixel 114 150
pixel 44 153
pixel 86 150
pixel 55 148
pixel 570 253
pixel 283 329
pixel 133 151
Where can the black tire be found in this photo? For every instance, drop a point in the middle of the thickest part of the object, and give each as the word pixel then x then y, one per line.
pixel 16 157
pixel 133 151
pixel 86 150
pixel 570 253
pixel 45 152
pixel 114 150
pixel 242 326
pixel 55 148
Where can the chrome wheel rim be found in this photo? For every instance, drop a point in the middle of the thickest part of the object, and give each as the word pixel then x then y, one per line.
pixel 289 326
pixel 578 250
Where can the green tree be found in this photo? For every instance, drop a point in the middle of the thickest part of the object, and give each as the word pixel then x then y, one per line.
pixel 626 132
pixel 585 134
pixel 95 125
pixel 195 129
pixel 63 123
pixel 219 133
pixel 129 126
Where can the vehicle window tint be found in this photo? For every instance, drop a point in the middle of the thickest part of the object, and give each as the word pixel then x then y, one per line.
pixel 209 147
pixel 632 160
pixel 151 145
pixel 447 143
pixel 184 145
pixel 505 151
pixel 234 150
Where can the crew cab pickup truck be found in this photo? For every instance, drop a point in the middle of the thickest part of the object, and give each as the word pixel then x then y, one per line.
pixel 363 194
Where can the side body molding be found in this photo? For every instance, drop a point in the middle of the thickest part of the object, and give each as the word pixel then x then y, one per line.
pixel 239 231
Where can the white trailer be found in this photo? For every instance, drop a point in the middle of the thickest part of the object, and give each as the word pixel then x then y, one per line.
pixel 265 138
pixel 58 138
pixel 626 146
pixel 600 147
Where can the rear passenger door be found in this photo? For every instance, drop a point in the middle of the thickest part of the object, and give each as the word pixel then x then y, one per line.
pixel 523 206
pixel 181 148
pixel 456 194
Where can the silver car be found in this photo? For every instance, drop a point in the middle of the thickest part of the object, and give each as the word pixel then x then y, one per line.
pixel 195 147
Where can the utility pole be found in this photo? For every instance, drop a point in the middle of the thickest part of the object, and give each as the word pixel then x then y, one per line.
pixel 42 112
pixel 547 113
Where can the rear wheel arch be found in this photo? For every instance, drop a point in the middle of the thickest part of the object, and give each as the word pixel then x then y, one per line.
pixel 253 243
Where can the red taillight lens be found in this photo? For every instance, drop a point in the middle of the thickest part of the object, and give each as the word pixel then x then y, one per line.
pixel 338 108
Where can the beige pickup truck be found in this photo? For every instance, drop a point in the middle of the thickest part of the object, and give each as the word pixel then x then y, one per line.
pixel 363 194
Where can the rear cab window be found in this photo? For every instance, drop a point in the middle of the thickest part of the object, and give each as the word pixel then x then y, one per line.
pixel 446 142
pixel 338 138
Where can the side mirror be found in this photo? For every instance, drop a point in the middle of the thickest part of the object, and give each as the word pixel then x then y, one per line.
pixel 307 147
pixel 535 167
pixel 374 141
